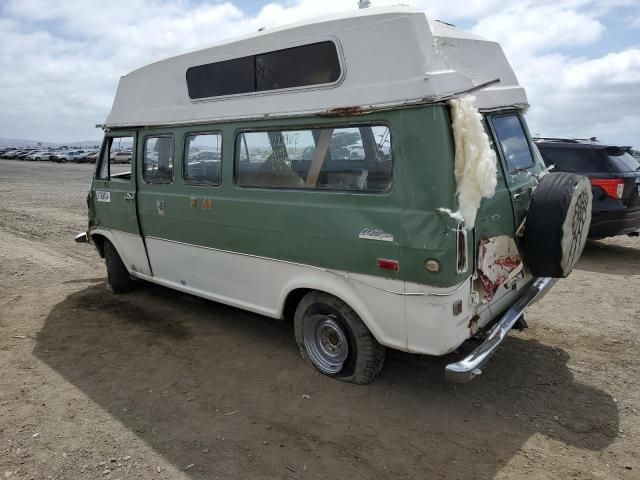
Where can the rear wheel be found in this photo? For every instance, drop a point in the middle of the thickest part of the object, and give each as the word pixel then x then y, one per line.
pixel 118 279
pixel 332 338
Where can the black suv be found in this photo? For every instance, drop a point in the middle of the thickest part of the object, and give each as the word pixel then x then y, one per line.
pixel 615 181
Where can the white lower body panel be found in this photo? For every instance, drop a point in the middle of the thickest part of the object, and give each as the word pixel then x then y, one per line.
pixel 130 247
pixel 420 321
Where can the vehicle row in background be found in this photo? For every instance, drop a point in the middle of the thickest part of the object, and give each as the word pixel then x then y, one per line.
pixel 90 155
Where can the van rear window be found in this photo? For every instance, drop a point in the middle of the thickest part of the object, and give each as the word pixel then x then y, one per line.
pixel 355 158
pixel 513 142
pixel 313 64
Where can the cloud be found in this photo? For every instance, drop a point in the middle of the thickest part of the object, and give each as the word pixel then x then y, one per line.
pixel 524 30
pixel 570 95
pixel 61 61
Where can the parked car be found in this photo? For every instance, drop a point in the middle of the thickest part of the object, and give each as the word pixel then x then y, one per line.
pixel 122 156
pixel 615 181
pixel 23 154
pixel 93 157
pixel 82 158
pixel 68 156
pixel 38 155
pixel 10 154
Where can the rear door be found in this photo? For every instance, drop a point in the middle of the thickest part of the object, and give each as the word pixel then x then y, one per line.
pixel 519 159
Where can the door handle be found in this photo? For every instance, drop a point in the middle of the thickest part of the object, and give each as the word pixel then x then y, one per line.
pixel 129 196
pixel 521 192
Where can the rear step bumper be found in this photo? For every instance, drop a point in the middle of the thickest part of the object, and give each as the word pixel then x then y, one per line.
pixel 471 366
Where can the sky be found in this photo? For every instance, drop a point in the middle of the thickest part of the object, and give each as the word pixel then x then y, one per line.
pixel 60 60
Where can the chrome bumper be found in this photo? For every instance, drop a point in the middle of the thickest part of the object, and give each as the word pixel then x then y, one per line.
pixel 82 238
pixel 471 366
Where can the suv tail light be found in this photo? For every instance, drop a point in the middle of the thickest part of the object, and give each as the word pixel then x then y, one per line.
pixel 613 187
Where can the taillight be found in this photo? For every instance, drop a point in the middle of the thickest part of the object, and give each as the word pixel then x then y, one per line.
pixel 385 264
pixel 462 262
pixel 613 187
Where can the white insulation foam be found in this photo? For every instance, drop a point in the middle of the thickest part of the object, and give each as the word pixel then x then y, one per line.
pixel 475 162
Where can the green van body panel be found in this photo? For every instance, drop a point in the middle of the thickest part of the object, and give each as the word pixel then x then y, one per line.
pixel 321 228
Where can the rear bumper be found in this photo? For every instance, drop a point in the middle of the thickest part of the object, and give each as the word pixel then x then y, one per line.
pixel 471 366
pixel 82 238
pixel 608 224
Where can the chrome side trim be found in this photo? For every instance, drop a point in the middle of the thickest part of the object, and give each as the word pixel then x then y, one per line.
pixel 471 366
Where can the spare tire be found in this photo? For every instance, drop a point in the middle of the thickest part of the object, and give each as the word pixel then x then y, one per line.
pixel 557 224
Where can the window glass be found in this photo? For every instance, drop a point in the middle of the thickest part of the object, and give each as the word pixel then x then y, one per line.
pixel 115 160
pixel 345 158
pixel 513 142
pixel 622 161
pixel 202 158
pixel 157 164
pixel 313 64
pixel 221 78
pixel 588 160
pixel 575 160
pixel 296 67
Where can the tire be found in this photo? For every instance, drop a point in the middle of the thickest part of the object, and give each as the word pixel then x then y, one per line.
pixel 557 224
pixel 118 279
pixel 323 316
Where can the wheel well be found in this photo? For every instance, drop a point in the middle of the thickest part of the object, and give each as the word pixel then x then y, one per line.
pixel 98 241
pixel 292 301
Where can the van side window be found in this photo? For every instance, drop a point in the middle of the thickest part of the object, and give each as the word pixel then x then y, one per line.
pixel 157 164
pixel 357 158
pixel 202 158
pixel 513 141
pixel 115 159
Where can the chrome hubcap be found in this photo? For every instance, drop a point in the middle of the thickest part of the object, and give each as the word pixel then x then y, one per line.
pixel 326 343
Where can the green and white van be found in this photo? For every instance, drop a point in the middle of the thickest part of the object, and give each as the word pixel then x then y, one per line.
pixel 317 173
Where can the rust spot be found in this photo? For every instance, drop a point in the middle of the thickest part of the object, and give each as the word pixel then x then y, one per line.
pixel 498 257
pixel 473 325
pixel 344 111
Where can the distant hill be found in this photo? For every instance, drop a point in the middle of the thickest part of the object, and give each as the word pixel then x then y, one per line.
pixel 16 142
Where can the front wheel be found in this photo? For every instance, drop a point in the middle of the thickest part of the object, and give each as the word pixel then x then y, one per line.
pixel 334 340
pixel 118 279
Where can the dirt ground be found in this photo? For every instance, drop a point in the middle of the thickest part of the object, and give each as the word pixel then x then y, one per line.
pixel 160 385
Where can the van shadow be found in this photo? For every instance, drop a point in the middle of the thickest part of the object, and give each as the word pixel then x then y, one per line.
pixel 226 391
pixel 602 256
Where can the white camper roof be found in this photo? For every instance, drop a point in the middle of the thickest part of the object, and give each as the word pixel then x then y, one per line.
pixel 388 56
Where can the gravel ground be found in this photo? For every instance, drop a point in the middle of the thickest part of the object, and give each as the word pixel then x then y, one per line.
pixel 158 384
